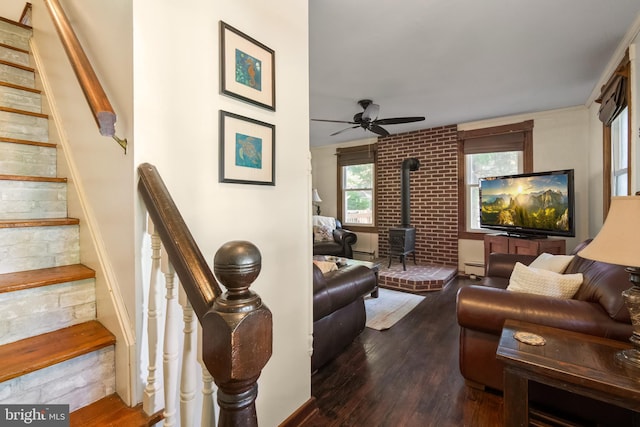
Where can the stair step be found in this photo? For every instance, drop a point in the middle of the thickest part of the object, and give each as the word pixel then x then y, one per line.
pixel 29 308
pixel 15 34
pixel 21 280
pixel 20 124
pixel 44 222
pixel 32 197
pixel 13 54
pixel 74 366
pixel 20 98
pixel 17 158
pixel 27 142
pixel 31 354
pixel 38 243
pixel 111 411
pixel 23 112
pixel 32 178
pixel 17 74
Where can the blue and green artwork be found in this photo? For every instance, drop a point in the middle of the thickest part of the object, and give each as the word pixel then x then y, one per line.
pixel 248 151
pixel 248 70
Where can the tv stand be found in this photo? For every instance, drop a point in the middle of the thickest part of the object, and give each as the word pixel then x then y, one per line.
pixel 523 236
pixel 525 246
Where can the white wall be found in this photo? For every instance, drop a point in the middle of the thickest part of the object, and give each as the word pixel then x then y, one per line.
pixel 177 100
pixel 11 9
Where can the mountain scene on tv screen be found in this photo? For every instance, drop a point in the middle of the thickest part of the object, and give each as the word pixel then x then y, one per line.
pixel 531 202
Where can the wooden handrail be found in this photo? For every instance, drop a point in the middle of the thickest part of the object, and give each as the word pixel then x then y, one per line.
pixel 192 269
pixel 101 108
pixel 237 328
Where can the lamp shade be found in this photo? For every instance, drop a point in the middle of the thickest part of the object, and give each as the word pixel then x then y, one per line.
pixel 315 197
pixel 618 242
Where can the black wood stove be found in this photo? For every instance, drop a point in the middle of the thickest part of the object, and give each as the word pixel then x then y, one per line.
pixel 402 239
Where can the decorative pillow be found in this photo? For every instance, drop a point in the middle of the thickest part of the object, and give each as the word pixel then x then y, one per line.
pixel 329 221
pixel 322 233
pixel 555 263
pixel 543 282
pixel 326 266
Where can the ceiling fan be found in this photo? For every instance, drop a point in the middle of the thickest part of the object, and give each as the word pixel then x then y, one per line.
pixel 368 119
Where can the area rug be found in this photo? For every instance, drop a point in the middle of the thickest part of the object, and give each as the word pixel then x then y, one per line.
pixel 390 306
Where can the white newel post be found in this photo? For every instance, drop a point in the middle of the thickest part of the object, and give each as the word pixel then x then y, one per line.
pixel 189 364
pixel 152 398
pixel 170 356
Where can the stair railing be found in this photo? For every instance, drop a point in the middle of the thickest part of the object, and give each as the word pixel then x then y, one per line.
pixel 236 327
pixel 101 108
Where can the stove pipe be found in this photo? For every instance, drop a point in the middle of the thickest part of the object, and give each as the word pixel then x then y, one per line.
pixel 408 165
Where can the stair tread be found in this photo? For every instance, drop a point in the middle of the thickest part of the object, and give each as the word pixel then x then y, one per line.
pixel 17 24
pixel 27 142
pixel 13 64
pixel 31 178
pixel 31 354
pixel 112 411
pixel 21 280
pixel 24 112
pixel 14 86
pixel 45 222
pixel 17 49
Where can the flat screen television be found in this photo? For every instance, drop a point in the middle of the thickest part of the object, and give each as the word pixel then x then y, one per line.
pixel 536 204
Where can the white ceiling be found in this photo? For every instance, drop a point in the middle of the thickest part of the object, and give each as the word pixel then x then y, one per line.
pixel 455 61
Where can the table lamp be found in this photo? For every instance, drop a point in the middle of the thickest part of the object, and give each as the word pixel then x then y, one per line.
pixel 618 242
pixel 315 198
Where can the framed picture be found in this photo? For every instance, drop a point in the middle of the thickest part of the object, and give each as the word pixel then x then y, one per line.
pixel 247 150
pixel 247 68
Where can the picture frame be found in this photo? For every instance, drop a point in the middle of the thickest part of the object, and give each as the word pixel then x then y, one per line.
pixel 247 150
pixel 247 68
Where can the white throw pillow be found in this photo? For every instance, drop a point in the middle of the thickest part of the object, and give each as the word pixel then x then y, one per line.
pixel 543 282
pixel 555 263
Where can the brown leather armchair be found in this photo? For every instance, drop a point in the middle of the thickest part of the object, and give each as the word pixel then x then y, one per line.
pixel 597 309
pixel 339 246
pixel 338 309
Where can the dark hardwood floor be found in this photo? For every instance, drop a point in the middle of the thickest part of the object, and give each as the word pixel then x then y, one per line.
pixel 405 376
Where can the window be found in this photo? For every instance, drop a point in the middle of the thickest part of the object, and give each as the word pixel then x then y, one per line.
pixel 500 150
pixel 614 112
pixel 620 154
pixel 482 165
pixel 357 192
pixel 357 186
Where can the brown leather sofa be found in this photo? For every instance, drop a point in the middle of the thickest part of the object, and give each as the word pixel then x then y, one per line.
pixel 597 309
pixel 338 309
pixel 341 244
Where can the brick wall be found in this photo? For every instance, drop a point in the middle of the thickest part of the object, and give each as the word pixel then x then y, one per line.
pixel 434 191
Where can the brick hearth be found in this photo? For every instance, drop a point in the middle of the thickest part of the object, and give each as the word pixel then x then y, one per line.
pixel 417 278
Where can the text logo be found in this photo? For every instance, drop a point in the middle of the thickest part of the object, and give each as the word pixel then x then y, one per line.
pixel 34 415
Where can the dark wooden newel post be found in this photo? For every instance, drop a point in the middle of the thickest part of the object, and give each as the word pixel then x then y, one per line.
pixel 237 334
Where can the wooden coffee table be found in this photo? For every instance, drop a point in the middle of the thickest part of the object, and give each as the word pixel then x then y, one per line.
pixel 579 363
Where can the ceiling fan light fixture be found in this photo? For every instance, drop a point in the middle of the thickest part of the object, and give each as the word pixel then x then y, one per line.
pixel 368 119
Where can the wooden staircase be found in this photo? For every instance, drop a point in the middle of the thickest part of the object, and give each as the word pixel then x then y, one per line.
pixel 53 350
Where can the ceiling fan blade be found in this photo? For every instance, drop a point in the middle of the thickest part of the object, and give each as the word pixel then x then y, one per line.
pixel 333 121
pixel 377 129
pixel 371 112
pixel 398 120
pixel 344 130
